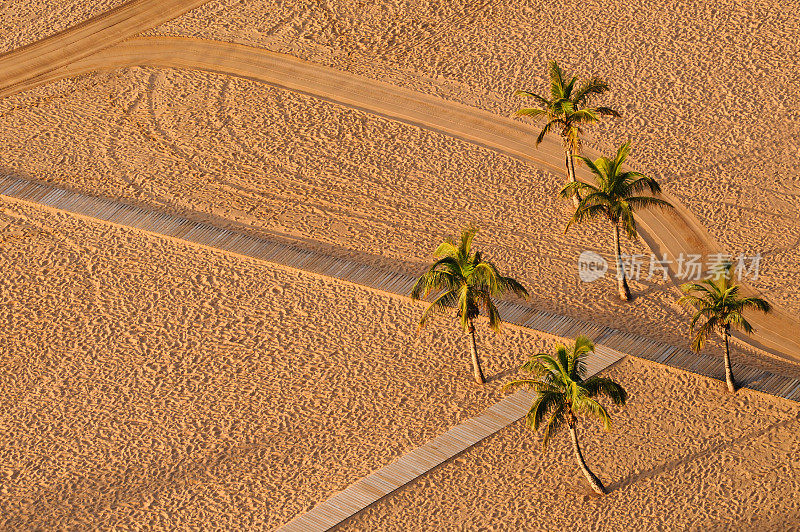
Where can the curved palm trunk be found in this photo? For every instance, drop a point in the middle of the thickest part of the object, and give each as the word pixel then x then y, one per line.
pixel 728 371
pixel 570 164
pixel 622 282
pixel 477 372
pixel 597 486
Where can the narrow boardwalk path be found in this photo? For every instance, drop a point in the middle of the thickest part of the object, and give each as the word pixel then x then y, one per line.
pixel 521 315
pixel 675 232
pixel 411 465
pixel 612 344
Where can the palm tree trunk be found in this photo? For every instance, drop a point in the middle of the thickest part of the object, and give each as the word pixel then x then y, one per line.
pixel 622 282
pixel 476 364
pixel 728 371
pixel 570 164
pixel 597 486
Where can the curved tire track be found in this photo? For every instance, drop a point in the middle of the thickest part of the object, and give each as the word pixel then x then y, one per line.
pixel 21 66
pixel 671 232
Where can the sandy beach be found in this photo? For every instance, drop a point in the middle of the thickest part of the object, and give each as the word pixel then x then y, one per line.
pixel 679 458
pixel 162 385
pixel 27 21
pixel 155 384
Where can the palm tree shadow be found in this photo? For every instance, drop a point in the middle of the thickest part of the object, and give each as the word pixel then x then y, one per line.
pixel 685 460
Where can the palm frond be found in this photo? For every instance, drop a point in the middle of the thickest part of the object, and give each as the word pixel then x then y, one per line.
pixel 441 304
pixel 446 249
pixel 556 421
pixel 546 129
pixel 584 213
pixel 585 116
pixel 541 100
pixel 433 280
pixel 647 202
pixel 596 386
pixel 589 407
pixel 701 334
pixel 588 89
pixel 756 303
pixel 532 112
pixel 493 314
pixel 546 402
pixel 556 80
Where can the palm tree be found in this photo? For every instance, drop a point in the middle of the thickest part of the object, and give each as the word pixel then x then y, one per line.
pixel 615 196
pixel 562 395
pixel 566 111
pixel 717 299
pixel 462 280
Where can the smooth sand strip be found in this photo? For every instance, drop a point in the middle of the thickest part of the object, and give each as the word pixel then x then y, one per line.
pixel 18 67
pixel 673 233
pixel 209 236
pixel 419 461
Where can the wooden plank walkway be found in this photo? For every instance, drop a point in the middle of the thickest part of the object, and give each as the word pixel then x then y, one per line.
pixel 427 456
pixel 611 344
pixel 521 315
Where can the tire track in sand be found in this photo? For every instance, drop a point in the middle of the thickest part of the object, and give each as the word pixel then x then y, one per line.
pixel 671 232
pixel 23 64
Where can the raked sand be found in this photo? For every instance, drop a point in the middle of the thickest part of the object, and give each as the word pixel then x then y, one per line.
pixel 152 384
pixel 155 384
pixel 149 383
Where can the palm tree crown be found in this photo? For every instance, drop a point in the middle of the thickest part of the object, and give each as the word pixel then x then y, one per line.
pixel 463 280
pixel 562 394
pixel 718 301
pixel 615 195
pixel 567 109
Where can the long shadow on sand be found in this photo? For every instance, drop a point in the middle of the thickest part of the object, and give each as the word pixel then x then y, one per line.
pixel 699 455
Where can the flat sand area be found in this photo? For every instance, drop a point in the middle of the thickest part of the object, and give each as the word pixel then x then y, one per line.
pixel 151 384
pixel 329 178
pixel 155 384
pixel 682 456
pixel 27 21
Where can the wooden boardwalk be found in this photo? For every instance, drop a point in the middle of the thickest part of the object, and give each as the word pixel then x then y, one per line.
pixel 611 344
pixel 411 465
pixel 521 315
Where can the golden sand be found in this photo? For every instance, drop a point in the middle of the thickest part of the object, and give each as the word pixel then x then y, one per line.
pixel 151 384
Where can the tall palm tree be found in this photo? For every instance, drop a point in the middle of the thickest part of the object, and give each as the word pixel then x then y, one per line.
pixel 717 299
pixel 566 111
pixel 562 395
pixel 462 280
pixel 615 196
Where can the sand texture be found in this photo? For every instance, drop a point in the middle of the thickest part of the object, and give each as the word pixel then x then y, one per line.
pixel 779 257
pixel 681 457
pixel 362 194
pixel 731 167
pixel 151 384
pixel 27 21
